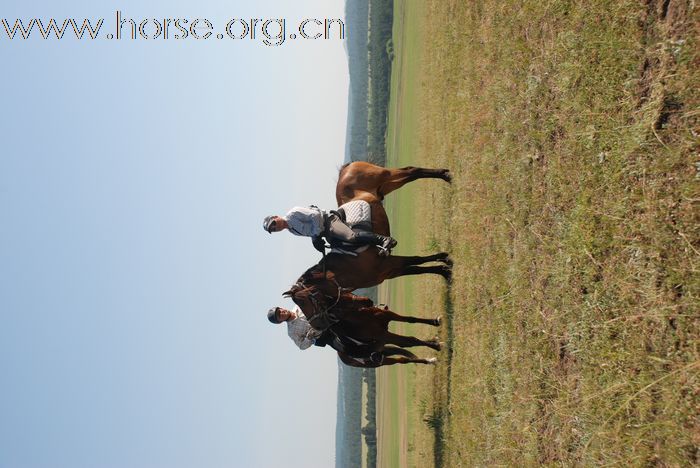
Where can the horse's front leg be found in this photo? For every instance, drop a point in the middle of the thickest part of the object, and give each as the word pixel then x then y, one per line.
pixel 442 270
pixel 401 266
pixel 389 316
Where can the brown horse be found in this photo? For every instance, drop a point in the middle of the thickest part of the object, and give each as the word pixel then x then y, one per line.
pixel 365 181
pixel 361 329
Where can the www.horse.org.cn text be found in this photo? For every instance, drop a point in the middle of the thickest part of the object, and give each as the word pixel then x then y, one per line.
pixel 272 32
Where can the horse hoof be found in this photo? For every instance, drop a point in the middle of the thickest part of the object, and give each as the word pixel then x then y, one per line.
pixel 449 262
pixel 432 360
pixel 447 274
pixel 437 322
pixel 447 176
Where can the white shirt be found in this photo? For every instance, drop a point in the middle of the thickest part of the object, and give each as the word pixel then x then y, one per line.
pixel 305 221
pixel 301 332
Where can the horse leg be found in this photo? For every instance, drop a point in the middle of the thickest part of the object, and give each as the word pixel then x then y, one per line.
pixel 408 357
pixel 408 341
pixel 404 360
pixel 396 265
pixel 442 257
pixel 393 316
pixel 397 178
pixel 355 362
pixel 442 270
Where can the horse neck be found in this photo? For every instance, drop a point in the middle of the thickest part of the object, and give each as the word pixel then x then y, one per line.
pixel 320 280
pixel 301 299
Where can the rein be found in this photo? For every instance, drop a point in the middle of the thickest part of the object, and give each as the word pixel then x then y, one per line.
pixel 322 319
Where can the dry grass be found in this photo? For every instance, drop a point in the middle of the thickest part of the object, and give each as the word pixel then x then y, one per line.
pixel 572 129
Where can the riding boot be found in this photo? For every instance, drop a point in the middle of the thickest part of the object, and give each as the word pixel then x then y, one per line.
pixel 384 243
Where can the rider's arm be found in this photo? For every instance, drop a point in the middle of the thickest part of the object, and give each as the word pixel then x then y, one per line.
pixel 309 338
pixel 302 333
pixel 302 341
pixel 305 221
pixel 305 343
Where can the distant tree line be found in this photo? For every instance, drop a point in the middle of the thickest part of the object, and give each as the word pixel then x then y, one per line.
pixel 380 51
pixel 370 53
pixel 356 22
pixel 369 430
pixel 348 438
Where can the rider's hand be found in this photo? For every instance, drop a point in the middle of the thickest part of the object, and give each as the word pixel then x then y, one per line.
pixel 319 244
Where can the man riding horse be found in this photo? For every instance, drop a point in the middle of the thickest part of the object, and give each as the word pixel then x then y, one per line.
pixel 350 324
pixel 318 224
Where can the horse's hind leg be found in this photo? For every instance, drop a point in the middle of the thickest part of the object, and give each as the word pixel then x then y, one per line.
pixel 403 360
pixel 399 177
pixel 408 341
pixel 393 316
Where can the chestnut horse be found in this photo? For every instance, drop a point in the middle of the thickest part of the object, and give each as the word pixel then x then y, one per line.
pixel 360 329
pixel 371 183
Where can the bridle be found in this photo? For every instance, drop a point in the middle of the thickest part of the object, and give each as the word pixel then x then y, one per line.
pixel 323 318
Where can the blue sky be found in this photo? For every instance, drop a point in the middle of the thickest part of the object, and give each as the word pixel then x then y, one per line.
pixel 134 272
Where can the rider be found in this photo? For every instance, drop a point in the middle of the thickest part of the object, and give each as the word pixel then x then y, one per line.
pixel 316 223
pixel 304 335
pixel 298 328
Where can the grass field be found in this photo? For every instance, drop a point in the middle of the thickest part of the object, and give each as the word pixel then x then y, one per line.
pixel 573 319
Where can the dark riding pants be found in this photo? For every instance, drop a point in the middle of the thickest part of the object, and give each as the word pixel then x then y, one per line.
pixel 337 230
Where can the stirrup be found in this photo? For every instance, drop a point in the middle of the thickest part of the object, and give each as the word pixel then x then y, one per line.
pixel 387 244
pixel 383 252
pixel 391 243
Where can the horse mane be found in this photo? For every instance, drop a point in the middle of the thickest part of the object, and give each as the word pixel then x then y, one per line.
pixel 315 273
pixel 311 272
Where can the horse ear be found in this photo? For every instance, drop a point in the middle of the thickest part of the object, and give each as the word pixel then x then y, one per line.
pixel 287 293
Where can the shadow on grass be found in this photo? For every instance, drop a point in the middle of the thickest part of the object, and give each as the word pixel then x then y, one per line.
pixel 437 420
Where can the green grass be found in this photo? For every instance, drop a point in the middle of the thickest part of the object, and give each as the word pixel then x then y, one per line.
pixel 571 130
pixel 405 76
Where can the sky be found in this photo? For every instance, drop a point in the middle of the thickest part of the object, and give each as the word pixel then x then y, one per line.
pixel 134 271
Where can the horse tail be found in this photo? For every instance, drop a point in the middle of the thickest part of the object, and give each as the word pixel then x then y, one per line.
pixel 341 169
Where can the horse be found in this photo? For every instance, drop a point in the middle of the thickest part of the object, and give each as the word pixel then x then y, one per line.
pixel 360 329
pixel 364 181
